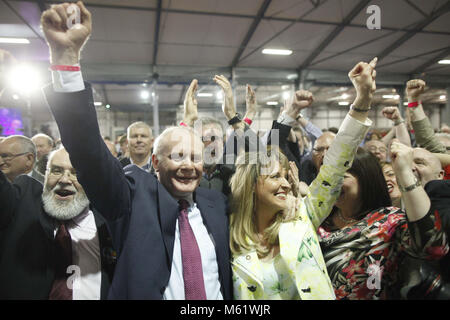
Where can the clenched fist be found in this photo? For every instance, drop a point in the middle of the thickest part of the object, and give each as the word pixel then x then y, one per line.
pixel 301 100
pixel 402 157
pixel 414 88
pixel 66 28
pixel 391 113
pixel 363 78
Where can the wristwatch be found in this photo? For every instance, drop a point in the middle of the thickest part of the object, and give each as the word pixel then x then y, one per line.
pixel 411 187
pixel 300 116
pixel 236 119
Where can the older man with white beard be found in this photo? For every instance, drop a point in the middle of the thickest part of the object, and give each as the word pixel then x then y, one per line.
pixel 53 245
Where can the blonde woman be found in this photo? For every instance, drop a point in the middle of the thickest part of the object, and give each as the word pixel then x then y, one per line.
pixel 276 252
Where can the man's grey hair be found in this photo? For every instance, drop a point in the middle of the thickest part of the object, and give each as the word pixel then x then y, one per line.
pixel 27 145
pixel 139 124
pixel 43 135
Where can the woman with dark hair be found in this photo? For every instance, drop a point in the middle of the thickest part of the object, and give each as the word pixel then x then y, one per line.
pixel 365 238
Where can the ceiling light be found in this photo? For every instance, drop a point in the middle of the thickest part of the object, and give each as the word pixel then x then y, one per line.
pixel 444 61
pixel 286 95
pixel 292 76
pixel 97 103
pixel 391 96
pixel 145 94
pixel 205 94
pixel 344 103
pixel 219 95
pixel 107 106
pixel 442 97
pixel 15 40
pixel 405 103
pixel 272 103
pixel 15 96
pixel 281 52
pixel 344 96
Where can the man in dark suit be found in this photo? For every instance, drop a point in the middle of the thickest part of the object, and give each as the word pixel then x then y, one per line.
pixel 155 223
pixel 30 219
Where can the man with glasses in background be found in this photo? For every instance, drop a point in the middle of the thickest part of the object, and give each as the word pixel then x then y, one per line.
pixel 17 157
pixel 378 149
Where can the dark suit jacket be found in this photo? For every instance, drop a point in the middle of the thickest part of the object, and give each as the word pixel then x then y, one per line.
pixel 141 213
pixel 26 242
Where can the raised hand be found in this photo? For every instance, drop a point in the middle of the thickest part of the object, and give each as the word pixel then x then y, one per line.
pixel 363 78
pixel 190 104
pixel 228 107
pixel 250 103
pixel 301 100
pixel 293 179
pixel 66 28
pixel 391 113
pixel 414 88
pixel 402 158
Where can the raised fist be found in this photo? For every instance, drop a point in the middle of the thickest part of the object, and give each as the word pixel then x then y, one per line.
pixel 301 100
pixel 66 28
pixel 402 157
pixel 414 88
pixel 363 78
pixel 391 113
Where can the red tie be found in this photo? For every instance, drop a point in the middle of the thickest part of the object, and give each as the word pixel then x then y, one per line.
pixel 194 286
pixel 63 258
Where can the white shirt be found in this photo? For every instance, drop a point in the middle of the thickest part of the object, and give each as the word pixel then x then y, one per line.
pixel 72 81
pixel 175 288
pixel 85 257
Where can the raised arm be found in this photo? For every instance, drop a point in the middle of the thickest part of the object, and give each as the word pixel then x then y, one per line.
pixel 71 103
pixel 326 188
pixel 423 131
pixel 401 132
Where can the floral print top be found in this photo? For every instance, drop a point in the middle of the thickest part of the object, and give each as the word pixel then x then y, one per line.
pixel 363 259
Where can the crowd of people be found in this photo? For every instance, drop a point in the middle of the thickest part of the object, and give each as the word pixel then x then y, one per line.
pixel 200 212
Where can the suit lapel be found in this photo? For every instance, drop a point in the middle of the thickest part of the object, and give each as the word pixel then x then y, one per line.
pixel 218 234
pixel 167 208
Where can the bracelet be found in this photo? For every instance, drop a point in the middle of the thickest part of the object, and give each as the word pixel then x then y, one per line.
pixel 183 124
pixel 249 122
pixel 414 104
pixel 236 119
pixel 396 123
pixel 411 187
pixel 57 67
pixel 352 107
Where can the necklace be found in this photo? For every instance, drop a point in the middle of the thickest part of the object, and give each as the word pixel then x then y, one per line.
pixel 346 220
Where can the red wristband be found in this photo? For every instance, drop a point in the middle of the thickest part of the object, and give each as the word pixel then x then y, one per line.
pixel 183 124
pixel 249 122
pixel 56 67
pixel 414 104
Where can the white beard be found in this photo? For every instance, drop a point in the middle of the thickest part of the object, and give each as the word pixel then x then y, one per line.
pixel 63 210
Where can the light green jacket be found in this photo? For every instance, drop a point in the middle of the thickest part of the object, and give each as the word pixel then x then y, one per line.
pixel 299 244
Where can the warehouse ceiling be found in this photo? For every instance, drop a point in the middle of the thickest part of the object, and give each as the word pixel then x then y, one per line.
pixel 161 45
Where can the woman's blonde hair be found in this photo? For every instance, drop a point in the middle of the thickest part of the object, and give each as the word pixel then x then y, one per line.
pixel 243 232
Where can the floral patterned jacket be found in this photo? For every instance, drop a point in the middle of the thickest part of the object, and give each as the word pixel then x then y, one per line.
pixel 299 244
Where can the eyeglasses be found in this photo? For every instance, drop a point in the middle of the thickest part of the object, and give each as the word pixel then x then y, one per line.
pixel 58 172
pixel 320 149
pixel 374 149
pixel 8 157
